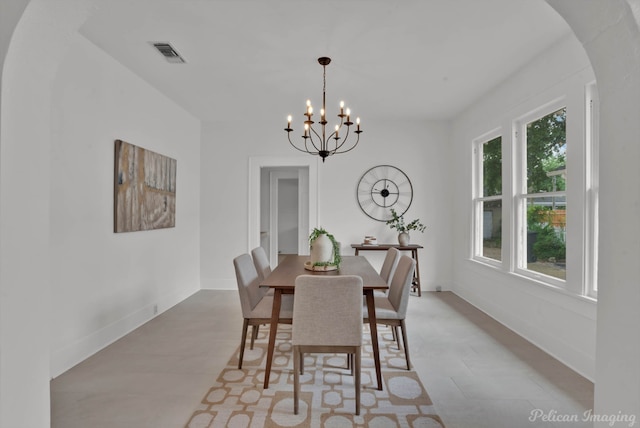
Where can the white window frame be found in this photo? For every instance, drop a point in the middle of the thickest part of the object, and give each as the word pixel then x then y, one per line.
pixel 479 198
pixel 519 243
pixel 581 193
pixel 592 152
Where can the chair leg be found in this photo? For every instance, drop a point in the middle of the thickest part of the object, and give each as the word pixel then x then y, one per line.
pixel 245 326
pixel 357 361
pixel 406 344
pixel 296 378
pixel 254 335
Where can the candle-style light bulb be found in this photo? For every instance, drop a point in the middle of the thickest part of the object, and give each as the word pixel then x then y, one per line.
pixel 358 122
pixel 341 107
pixel 348 114
pixel 306 129
pixel 337 127
pixel 309 109
pixel 322 113
pixel 289 121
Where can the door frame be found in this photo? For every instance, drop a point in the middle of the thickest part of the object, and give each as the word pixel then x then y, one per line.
pixel 256 163
pixel 287 173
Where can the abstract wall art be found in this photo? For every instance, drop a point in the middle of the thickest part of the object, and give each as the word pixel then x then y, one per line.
pixel 144 189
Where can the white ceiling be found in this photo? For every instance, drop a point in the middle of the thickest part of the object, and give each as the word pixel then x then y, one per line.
pixel 249 59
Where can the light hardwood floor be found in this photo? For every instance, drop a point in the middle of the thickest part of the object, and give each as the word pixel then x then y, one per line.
pixel 477 372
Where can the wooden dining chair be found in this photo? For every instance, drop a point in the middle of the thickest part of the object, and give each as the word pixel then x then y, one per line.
pixel 391 310
pixel 327 318
pixel 256 307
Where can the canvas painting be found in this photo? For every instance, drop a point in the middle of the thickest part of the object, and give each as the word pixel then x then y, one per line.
pixel 145 189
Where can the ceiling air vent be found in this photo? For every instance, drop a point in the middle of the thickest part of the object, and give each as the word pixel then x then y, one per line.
pixel 170 54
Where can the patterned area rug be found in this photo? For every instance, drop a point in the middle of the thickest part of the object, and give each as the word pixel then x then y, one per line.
pixel 238 399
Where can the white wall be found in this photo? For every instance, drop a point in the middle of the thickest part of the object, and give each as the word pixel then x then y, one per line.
pixel 610 33
pixel 24 215
pixel 68 285
pixel 607 30
pixel 105 284
pixel 421 150
pixel 561 324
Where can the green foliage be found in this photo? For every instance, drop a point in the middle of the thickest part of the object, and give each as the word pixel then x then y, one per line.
pixel 397 222
pixel 548 244
pixel 546 141
pixel 546 144
pixel 337 257
pixel 492 167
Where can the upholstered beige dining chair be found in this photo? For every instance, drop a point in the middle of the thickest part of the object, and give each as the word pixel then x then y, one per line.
pixel 391 310
pixel 390 263
pixel 327 318
pixel 263 267
pixel 261 262
pixel 256 307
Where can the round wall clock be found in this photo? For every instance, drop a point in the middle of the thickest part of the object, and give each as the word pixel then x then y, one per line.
pixel 384 187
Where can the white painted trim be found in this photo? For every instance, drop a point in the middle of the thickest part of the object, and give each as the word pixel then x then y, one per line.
pixel 256 163
pixel 274 180
pixel 67 357
pixel 303 211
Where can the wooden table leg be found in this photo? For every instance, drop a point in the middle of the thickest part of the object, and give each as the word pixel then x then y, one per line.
pixel 275 317
pixel 414 254
pixel 373 327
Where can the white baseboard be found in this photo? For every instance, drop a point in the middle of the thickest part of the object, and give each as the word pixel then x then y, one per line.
pixel 70 355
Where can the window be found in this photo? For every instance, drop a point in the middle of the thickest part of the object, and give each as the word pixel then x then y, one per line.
pixel 488 201
pixel 543 196
pixel 535 194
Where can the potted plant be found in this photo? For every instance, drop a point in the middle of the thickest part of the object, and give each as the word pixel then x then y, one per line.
pixel 397 222
pixel 325 250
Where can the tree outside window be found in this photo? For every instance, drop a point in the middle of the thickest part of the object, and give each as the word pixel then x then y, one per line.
pixel 491 199
pixel 546 225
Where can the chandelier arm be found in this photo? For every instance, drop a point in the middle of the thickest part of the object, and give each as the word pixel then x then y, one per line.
pixel 344 140
pixel 313 144
pixel 339 128
pixel 298 148
pixel 351 148
pixel 322 142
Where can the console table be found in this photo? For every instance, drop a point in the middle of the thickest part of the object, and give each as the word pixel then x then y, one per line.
pixel 384 247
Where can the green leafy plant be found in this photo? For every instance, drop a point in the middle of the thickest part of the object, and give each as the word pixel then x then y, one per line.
pixel 337 258
pixel 547 244
pixel 397 222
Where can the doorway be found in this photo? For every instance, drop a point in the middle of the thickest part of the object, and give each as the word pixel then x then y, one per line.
pixel 282 204
pixel 283 223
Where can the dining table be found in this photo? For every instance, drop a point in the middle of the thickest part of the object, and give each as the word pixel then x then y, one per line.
pixel 282 280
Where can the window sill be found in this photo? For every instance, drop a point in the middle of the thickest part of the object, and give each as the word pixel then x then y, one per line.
pixel 534 284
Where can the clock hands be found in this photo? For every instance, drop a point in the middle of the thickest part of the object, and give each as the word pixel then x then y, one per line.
pixel 385 192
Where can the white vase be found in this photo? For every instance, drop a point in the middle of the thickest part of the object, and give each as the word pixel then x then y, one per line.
pixel 321 250
pixel 403 239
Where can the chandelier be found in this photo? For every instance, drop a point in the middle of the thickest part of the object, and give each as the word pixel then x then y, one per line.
pixel 319 142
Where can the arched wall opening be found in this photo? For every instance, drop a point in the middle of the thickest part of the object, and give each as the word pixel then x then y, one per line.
pixel 610 36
